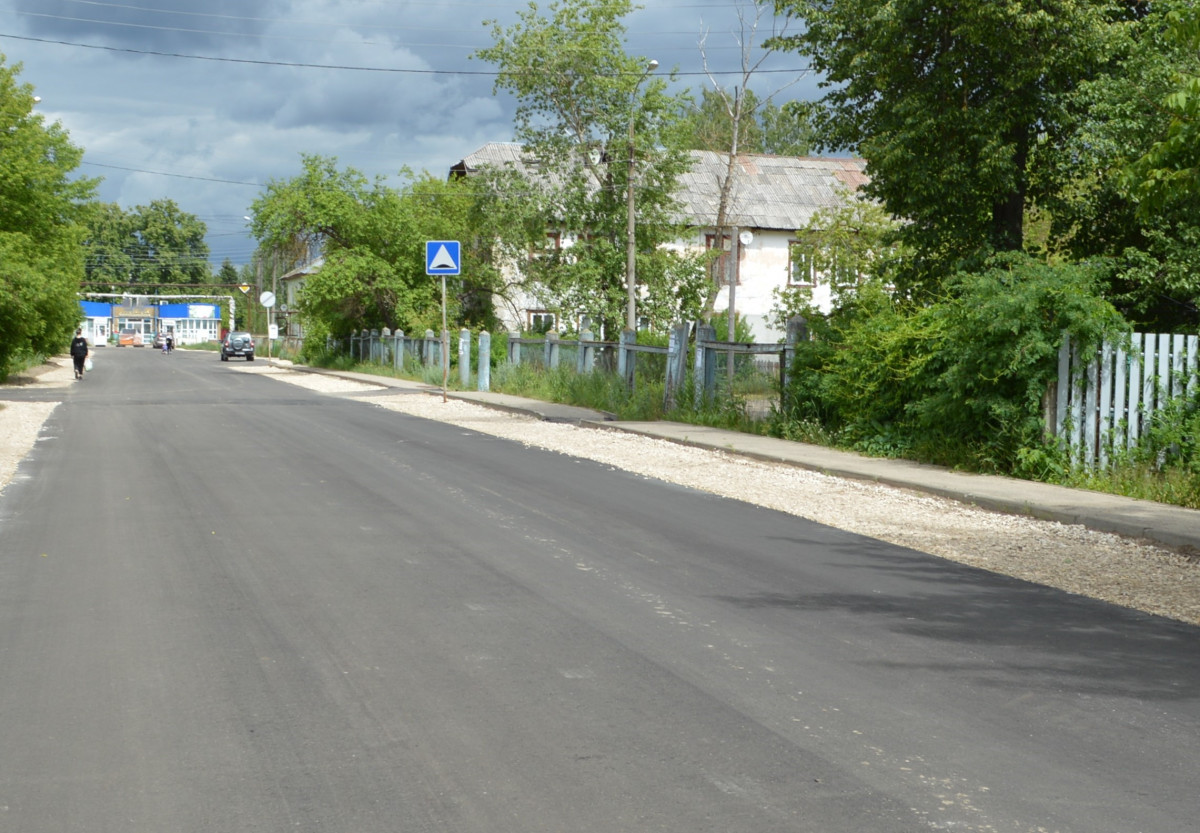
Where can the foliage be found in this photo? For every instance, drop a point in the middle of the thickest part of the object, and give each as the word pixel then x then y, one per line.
pixel 947 103
pixel 152 244
pixel 743 333
pixel 783 130
pixel 959 381
pixel 228 274
pixel 373 238
pixel 851 245
pixel 42 203
pixel 1170 169
pixel 591 115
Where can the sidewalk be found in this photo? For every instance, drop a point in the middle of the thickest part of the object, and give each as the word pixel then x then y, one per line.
pixel 1171 526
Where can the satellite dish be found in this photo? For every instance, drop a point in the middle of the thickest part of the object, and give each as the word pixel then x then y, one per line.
pixel 267 299
pixel 746 238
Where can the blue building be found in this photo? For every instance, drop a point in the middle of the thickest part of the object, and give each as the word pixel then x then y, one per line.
pixel 187 323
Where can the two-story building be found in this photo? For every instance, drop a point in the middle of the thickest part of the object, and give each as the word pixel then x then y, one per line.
pixel 771 199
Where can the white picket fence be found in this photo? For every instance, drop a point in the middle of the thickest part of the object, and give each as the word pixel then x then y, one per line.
pixel 1105 401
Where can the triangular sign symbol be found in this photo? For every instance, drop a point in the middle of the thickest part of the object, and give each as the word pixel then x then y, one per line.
pixel 442 260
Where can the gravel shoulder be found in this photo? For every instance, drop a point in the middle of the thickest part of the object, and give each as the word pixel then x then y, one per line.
pixel 1130 573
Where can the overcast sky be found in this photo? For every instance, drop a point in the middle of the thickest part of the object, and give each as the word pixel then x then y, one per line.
pixel 203 101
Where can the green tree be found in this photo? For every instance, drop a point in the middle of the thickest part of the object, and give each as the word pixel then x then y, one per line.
pixel 1170 169
pixel 372 239
pixel 580 99
pixel 42 204
pixel 171 249
pixel 1103 208
pixel 947 103
pixel 111 248
pixel 228 274
pixel 152 244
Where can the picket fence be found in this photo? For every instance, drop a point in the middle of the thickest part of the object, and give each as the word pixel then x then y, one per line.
pixel 1104 402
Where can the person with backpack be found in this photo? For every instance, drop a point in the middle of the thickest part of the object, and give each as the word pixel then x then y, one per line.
pixel 79 352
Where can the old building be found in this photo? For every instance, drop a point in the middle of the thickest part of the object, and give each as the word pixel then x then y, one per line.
pixel 771 199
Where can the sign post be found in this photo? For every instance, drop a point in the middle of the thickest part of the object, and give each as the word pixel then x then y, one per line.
pixel 267 299
pixel 443 257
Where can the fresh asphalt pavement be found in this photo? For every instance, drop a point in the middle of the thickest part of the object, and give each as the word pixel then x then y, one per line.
pixel 1171 526
pixel 231 604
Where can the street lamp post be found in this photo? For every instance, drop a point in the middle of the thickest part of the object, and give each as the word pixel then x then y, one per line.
pixel 631 223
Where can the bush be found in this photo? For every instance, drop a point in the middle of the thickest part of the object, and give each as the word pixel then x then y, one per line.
pixel 957 382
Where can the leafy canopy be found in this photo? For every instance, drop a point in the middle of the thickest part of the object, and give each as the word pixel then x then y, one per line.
pixel 588 112
pixel 372 238
pixel 947 103
pixel 42 203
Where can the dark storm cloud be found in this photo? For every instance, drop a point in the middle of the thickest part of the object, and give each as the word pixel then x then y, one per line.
pixel 160 25
pixel 405 92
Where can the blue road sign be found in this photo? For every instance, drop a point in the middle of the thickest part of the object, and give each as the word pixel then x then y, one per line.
pixel 443 257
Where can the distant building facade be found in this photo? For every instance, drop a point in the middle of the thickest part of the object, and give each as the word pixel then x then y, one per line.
pixel 187 323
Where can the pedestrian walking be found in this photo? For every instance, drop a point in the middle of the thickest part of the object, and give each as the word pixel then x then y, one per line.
pixel 79 352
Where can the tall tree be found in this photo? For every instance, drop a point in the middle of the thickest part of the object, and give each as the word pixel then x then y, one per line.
pixel 947 103
pixel 152 244
pixel 112 250
pixel 733 114
pixel 1108 208
pixel 42 203
pixel 591 114
pixel 227 275
pixel 372 240
pixel 172 247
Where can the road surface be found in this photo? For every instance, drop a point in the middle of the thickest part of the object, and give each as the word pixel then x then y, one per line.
pixel 230 604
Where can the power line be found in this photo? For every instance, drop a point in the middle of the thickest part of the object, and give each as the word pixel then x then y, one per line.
pixel 345 67
pixel 177 176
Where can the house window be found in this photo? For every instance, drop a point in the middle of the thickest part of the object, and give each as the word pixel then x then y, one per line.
pixel 719 269
pixel 551 245
pixel 841 271
pixel 802 269
pixel 540 321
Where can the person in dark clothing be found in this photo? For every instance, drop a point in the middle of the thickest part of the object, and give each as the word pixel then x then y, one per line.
pixel 79 352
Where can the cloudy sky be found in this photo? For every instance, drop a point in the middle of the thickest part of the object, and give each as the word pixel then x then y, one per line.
pixel 203 101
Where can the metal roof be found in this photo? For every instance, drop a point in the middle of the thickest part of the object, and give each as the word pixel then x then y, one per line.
pixel 769 192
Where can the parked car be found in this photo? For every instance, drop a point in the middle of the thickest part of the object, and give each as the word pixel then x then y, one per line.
pixel 130 338
pixel 159 340
pixel 238 344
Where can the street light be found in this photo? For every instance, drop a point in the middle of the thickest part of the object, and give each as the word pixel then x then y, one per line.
pixel 631 225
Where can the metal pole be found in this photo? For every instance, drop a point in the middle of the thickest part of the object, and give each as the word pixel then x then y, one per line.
pixel 733 276
pixel 630 222
pixel 445 344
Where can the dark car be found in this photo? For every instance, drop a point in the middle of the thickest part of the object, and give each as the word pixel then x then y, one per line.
pixel 238 344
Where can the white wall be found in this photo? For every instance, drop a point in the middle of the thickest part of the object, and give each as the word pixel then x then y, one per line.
pixel 763 268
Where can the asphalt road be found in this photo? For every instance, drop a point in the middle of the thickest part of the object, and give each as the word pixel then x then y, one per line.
pixel 229 604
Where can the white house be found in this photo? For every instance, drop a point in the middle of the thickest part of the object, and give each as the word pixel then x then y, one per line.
pixel 772 197
pixel 291 285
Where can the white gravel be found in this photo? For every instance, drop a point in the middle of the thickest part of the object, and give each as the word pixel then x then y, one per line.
pixel 1104 566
